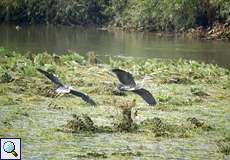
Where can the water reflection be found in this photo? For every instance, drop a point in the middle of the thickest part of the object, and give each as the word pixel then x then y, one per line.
pixel 58 39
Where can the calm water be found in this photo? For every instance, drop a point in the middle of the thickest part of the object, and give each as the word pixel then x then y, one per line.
pixel 145 45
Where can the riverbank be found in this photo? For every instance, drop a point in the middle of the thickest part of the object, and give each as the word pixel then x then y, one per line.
pixel 191 119
pixel 216 32
pixel 152 16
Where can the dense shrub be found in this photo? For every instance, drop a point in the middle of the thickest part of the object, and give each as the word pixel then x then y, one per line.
pixel 171 14
pixel 54 11
pixel 165 15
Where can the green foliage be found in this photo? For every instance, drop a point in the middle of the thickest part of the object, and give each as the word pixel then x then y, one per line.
pixel 27 64
pixel 5 77
pixel 42 59
pixel 173 71
pixel 11 3
pixel 73 56
pixel 54 11
pixel 167 15
pixel 7 53
pixel 224 11
pixel 224 145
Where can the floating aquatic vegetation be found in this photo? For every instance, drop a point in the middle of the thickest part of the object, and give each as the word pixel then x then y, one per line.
pixel 80 123
pixel 26 114
pixel 156 126
pixel 26 67
pixel 137 154
pixel 163 129
pixel 163 98
pixel 43 58
pixel 174 99
pixel 172 71
pixel 55 106
pixel 226 84
pixel 178 80
pixel 7 53
pixel 101 88
pixel 93 155
pixel 185 100
pixel 199 124
pixel 199 91
pixel 159 128
pixel 73 56
pixel 24 100
pixel 6 77
pixel 7 100
pixel 224 145
pixel 50 68
pixel 83 123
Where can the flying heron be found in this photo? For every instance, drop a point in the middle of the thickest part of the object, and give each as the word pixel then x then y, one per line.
pixel 62 88
pixel 128 84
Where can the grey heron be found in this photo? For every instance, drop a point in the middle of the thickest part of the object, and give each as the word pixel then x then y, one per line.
pixel 62 88
pixel 127 83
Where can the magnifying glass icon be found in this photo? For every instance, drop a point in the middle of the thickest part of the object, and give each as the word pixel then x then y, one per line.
pixel 9 147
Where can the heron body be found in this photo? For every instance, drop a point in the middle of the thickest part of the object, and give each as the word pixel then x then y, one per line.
pixel 65 89
pixel 122 87
pixel 127 83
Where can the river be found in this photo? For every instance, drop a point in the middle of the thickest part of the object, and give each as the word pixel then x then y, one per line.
pixel 59 39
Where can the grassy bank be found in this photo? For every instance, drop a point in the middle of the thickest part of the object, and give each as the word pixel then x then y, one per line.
pixel 190 121
pixel 146 15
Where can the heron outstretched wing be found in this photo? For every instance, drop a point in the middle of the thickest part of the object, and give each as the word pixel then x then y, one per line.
pixel 124 77
pixel 51 77
pixel 146 95
pixel 84 96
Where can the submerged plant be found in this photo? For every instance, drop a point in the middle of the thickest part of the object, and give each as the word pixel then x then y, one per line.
pixel 199 91
pixel 163 129
pixel 198 124
pixel 224 145
pixel 7 100
pixel 43 58
pixel 73 56
pixel 6 77
pixel 157 126
pixel 80 123
pixel 171 126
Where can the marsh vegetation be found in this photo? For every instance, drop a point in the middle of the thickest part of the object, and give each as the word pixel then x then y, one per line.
pixel 190 121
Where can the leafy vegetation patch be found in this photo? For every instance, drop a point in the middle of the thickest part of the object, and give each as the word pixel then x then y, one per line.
pixel 186 129
pixel 224 145
pixel 192 114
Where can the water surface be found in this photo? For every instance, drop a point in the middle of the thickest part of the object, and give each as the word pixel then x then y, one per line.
pixel 58 39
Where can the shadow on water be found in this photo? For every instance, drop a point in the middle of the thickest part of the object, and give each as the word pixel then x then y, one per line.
pixel 57 39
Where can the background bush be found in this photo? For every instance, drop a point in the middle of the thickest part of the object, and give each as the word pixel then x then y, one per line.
pixel 165 15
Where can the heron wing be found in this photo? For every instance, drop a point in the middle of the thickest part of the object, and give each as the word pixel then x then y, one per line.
pixel 124 77
pixel 83 96
pixel 51 77
pixel 146 95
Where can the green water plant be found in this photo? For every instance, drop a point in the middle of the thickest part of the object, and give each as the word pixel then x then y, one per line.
pixel 184 117
pixel 224 145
